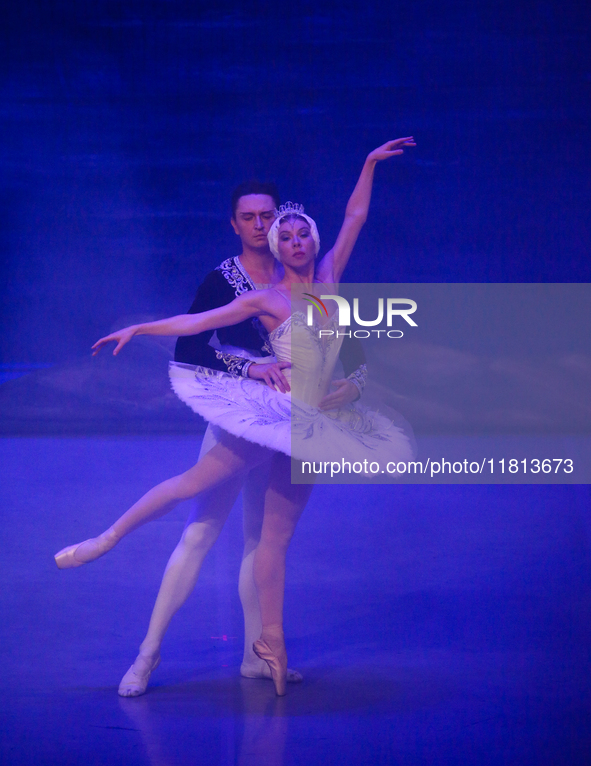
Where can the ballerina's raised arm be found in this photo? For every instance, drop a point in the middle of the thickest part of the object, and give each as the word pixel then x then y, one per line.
pixel 332 265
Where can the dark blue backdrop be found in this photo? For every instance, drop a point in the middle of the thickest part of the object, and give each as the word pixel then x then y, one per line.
pixel 126 125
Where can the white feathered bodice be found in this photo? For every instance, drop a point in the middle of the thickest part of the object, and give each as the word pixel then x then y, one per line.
pixel 313 357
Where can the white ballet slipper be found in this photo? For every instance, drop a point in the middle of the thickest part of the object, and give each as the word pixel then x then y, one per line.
pixel 255 671
pixel 134 684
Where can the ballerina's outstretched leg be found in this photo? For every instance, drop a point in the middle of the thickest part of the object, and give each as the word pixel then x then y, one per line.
pixel 230 457
pixel 284 503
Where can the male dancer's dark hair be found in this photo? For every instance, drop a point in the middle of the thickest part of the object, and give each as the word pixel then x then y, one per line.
pixel 254 187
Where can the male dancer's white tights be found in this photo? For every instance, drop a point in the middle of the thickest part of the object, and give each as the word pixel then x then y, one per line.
pixel 201 531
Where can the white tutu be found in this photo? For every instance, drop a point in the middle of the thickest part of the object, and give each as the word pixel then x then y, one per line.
pixel 292 423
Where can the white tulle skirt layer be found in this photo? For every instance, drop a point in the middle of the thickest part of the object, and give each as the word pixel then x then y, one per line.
pixel 253 411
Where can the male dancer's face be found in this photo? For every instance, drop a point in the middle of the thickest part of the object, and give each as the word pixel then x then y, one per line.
pixel 254 217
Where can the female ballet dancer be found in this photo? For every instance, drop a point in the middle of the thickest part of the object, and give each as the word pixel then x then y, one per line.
pixel 259 414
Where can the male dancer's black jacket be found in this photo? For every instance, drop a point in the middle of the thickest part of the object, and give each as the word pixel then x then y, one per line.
pixel 220 287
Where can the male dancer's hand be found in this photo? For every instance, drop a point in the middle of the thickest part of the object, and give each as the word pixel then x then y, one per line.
pixel 271 374
pixel 346 392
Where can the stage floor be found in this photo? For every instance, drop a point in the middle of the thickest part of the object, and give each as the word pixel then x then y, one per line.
pixel 433 624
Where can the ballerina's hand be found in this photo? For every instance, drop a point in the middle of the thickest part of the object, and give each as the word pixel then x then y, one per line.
pixel 346 392
pixel 121 337
pixel 271 374
pixel 390 149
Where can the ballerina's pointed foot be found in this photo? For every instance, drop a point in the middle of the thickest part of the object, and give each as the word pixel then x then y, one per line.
pixel 89 550
pixel 135 681
pixel 276 659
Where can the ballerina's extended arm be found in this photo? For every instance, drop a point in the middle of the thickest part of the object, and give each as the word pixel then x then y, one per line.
pixel 244 307
pixel 331 267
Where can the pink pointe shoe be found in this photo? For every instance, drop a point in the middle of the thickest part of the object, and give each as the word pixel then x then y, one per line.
pixel 277 666
pixel 84 553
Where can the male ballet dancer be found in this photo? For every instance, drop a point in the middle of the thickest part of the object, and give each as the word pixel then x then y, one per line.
pixel 239 350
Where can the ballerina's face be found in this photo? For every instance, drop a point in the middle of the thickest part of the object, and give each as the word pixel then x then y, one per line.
pixel 295 243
